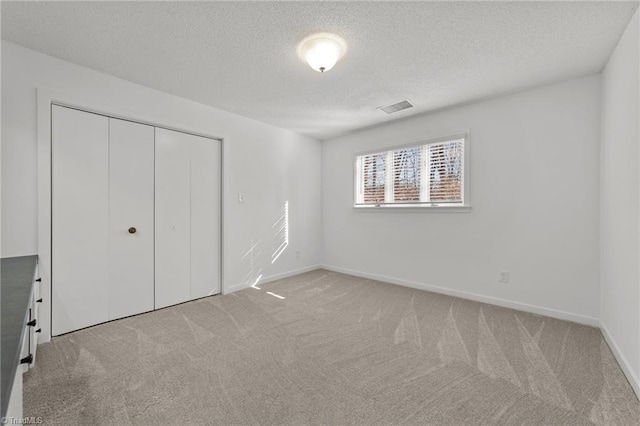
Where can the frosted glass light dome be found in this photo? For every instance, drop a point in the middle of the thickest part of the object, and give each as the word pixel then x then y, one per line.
pixel 322 51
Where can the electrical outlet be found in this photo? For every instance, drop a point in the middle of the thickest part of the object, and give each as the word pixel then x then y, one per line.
pixel 240 197
pixel 504 276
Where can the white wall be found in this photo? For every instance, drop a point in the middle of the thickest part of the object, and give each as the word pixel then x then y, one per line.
pixel 269 165
pixel 620 205
pixel 534 160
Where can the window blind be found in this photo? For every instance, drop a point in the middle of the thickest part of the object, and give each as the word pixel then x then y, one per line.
pixel 427 174
pixel 374 182
pixel 407 169
pixel 445 172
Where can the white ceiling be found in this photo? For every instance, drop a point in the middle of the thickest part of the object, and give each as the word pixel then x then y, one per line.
pixel 241 56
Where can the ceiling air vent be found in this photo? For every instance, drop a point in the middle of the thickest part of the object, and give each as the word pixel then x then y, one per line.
pixel 398 106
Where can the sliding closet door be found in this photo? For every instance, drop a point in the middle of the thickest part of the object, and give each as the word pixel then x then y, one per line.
pixel 173 218
pixel 187 217
pixel 205 216
pixel 131 230
pixel 79 219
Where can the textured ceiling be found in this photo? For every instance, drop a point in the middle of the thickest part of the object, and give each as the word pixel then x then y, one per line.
pixel 241 56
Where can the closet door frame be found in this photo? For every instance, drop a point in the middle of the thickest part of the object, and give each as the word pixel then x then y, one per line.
pixel 45 100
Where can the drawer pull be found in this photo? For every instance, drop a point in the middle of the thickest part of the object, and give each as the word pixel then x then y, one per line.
pixel 27 359
pixel 38 330
pixel 39 280
pixel 32 323
pixel 39 300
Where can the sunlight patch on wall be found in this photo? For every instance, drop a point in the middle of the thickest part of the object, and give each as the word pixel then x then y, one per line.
pixel 281 232
pixel 255 283
pixel 251 265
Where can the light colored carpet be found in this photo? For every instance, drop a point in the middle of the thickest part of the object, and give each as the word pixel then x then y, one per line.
pixel 337 350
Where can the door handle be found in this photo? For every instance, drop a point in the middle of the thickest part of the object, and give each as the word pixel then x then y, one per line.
pixel 132 230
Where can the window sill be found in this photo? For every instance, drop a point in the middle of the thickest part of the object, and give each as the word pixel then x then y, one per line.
pixel 423 209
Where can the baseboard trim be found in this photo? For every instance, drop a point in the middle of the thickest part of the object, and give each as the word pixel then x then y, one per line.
pixel 268 279
pixel 580 319
pixel 622 360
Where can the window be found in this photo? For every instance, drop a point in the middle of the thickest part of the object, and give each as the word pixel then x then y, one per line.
pixel 430 174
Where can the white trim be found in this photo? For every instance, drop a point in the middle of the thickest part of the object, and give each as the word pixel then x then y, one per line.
pixel 358 171
pixel 270 278
pixel 425 160
pixel 44 209
pixel 119 113
pixel 622 361
pixel 404 208
pixel 45 98
pixel 389 172
pixel 416 143
pixel 567 316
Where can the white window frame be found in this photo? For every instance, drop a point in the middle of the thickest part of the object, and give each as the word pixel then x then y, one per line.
pixel 465 206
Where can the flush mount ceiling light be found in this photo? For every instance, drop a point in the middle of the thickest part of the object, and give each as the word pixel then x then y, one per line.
pixel 322 51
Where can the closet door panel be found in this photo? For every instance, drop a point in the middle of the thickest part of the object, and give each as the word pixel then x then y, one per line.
pixel 79 219
pixel 172 218
pixel 205 216
pixel 131 191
